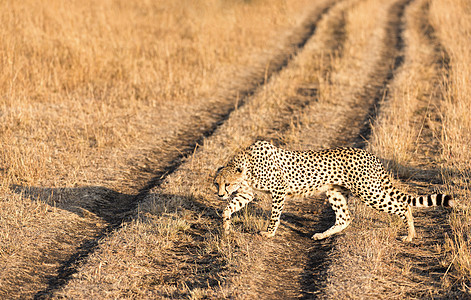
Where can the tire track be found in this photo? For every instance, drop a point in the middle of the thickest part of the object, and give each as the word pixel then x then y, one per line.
pixel 282 275
pixel 288 271
pixel 433 223
pixel 442 59
pixel 116 208
pixel 391 60
pixel 377 89
pixel 212 271
pixel 424 275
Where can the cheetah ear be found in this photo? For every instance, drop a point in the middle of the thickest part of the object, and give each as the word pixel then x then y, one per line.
pixel 218 171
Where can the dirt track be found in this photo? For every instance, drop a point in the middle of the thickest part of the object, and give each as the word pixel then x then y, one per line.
pixel 115 208
pixel 291 265
pixel 296 265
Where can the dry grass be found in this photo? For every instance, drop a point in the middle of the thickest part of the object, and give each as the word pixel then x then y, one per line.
pixel 410 136
pixel 89 92
pixel 86 87
pixel 453 25
pixel 238 262
pixel 72 96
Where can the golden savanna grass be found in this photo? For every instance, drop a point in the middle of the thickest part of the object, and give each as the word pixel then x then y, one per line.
pixel 173 269
pixel 85 87
pixel 315 66
pixel 413 136
pixel 90 90
pixel 453 26
pixel 82 79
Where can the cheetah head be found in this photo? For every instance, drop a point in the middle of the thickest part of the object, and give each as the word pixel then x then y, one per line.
pixel 228 180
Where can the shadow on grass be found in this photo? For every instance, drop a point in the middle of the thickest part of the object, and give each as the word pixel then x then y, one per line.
pixel 117 208
pixel 107 204
pixel 89 202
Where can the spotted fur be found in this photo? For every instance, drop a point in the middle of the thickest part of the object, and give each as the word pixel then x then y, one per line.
pixel 337 172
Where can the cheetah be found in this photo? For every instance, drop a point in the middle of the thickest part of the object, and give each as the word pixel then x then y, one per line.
pixel 337 172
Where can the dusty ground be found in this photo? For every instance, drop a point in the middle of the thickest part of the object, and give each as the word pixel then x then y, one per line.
pixel 363 73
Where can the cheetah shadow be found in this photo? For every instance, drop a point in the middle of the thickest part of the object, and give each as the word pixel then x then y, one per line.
pixel 109 205
pixel 116 209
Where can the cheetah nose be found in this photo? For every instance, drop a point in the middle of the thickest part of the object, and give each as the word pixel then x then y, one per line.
pixel 220 195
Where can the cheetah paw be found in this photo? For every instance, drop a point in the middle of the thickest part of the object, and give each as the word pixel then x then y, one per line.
pixel 227 228
pixel 318 236
pixel 267 234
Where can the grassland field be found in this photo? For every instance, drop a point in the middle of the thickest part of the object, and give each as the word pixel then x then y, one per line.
pixel 115 115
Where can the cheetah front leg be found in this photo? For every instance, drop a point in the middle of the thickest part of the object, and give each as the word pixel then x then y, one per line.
pixel 337 197
pixel 243 196
pixel 278 201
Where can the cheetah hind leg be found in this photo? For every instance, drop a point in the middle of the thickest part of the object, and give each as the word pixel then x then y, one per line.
pixel 337 197
pixel 410 225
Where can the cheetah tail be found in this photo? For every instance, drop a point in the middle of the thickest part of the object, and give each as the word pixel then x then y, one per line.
pixel 431 200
